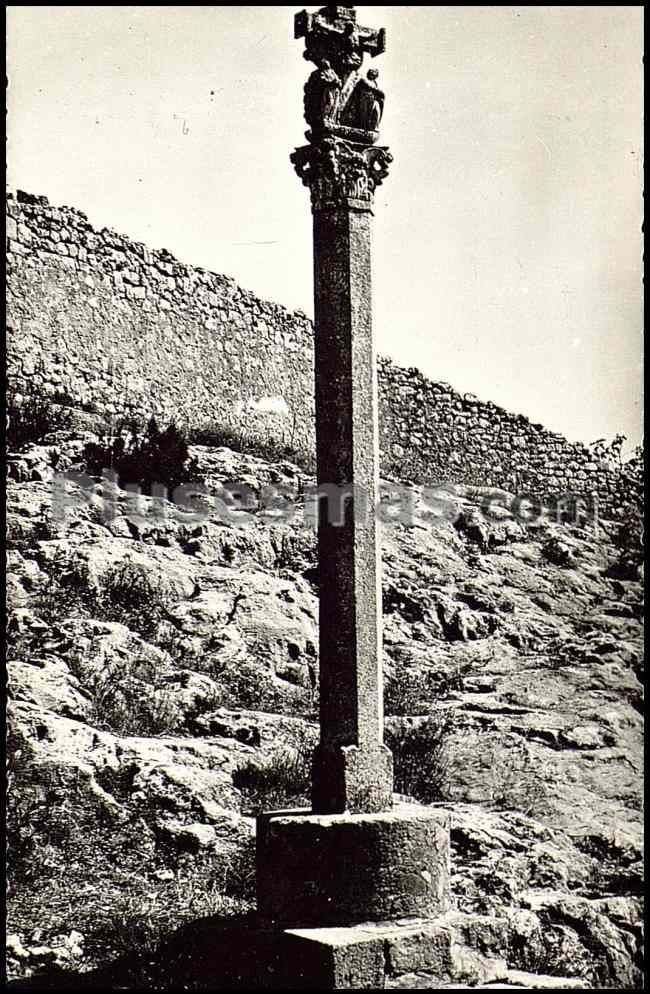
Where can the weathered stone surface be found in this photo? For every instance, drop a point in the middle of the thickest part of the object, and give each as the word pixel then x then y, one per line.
pixel 375 956
pixel 343 869
pixel 452 947
pixel 350 623
pixel 515 981
pixel 518 978
pixel 546 833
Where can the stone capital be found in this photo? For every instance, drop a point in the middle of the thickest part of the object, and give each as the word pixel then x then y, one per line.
pixel 342 174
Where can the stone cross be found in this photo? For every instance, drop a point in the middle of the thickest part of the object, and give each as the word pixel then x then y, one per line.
pixel 354 857
pixel 342 166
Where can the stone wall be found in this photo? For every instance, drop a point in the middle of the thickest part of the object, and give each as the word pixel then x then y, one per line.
pixel 120 327
pixel 429 428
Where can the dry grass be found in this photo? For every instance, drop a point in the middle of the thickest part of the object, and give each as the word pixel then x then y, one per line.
pixel 279 780
pixel 73 865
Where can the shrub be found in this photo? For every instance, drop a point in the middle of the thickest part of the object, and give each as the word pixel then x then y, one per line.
pixel 32 419
pixel 130 597
pixel 63 398
pixel 126 594
pixel 143 459
pixel 630 536
pixel 129 696
pixel 414 692
pixel 69 591
pixel 26 810
pixel 293 550
pixel 557 552
pixel 412 604
pixel 421 756
pixel 627 533
pixel 280 780
pixel 243 687
pixel 222 436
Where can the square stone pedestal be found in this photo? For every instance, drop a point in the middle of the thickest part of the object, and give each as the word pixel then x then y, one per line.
pixel 329 870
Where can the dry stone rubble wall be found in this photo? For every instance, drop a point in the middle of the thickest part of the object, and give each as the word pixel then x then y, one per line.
pixel 122 328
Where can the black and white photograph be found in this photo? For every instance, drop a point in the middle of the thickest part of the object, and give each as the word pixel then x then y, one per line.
pixel 324 499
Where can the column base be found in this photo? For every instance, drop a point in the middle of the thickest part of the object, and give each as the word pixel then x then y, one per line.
pixel 326 870
pixel 352 779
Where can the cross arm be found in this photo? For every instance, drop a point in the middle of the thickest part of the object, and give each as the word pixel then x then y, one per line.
pixel 302 24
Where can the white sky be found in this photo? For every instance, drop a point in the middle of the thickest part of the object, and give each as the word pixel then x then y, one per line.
pixel 507 244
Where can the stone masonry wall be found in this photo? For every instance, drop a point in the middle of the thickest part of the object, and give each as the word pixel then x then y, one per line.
pixel 122 328
pixel 125 329
pixel 431 428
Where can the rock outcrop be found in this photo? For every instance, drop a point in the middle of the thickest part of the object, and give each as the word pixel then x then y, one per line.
pixel 152 657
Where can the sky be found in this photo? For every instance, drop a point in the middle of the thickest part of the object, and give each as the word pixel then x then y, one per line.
pixel 507 248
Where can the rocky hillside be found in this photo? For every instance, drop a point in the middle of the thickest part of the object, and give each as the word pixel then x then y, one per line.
pixel 163 680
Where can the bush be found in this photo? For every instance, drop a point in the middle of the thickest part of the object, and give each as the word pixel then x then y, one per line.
pixel 293 550
pixel 26 810
pixel 32 419
pixel 143 459
pixel 218 436
pixel 130 597
pixel 69 592
pixel 280 780
pixel 421 756
pixel 413 692
pixel 627 533
pixel 129 696
pixel 63 398
pixel 630 536
pixel 126 594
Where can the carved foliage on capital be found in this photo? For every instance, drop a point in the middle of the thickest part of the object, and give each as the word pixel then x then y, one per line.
pixel 340 174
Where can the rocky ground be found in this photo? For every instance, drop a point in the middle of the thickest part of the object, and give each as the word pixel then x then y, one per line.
pixel 163 677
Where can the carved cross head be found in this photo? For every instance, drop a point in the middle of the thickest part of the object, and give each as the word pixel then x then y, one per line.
pixel 339 100
pixel 344 11
pixel 334 35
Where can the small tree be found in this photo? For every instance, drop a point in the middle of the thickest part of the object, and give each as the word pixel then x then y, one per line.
pixel 31 419
pixel 143 458
pixel 628 533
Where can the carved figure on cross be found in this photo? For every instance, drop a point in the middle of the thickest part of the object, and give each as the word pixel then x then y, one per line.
pixel 334 35
pixel 338 99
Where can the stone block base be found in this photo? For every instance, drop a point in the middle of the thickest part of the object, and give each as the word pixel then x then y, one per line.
pixel 333 959
pixel 454 952
pixel 328 870
pixel 350 779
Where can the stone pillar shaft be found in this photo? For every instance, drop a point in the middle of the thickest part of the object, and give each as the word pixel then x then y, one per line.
pixel 348 453
pixel 351 692
pixel 342 166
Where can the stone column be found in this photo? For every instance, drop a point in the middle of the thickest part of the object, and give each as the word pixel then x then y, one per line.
pixel 353 857
pixel 342 167
pixel 352 769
